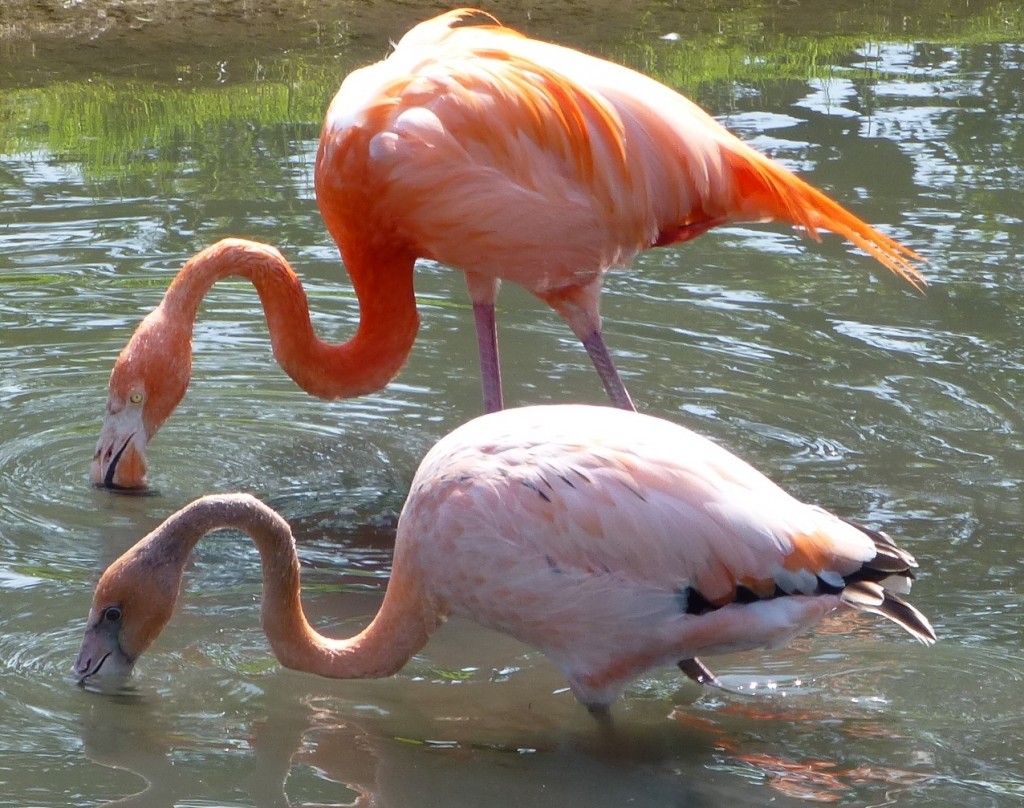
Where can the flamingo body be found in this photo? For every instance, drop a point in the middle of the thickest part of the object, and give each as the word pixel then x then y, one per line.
pixel 614 542
pixel 530 162
pixel 519 160
pixel 624 541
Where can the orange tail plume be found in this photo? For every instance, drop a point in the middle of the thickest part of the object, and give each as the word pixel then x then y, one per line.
pixel 767 189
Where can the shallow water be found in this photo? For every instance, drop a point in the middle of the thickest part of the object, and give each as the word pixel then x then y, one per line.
pixel 892 408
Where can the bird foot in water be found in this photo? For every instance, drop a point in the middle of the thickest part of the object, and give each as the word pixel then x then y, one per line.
pixel 702 675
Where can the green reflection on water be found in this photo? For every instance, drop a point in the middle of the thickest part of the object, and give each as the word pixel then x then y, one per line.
pixel 139 130
pixel 124 129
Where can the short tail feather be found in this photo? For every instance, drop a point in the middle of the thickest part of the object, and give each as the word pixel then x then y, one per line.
pixel 770 189
pixel 871 588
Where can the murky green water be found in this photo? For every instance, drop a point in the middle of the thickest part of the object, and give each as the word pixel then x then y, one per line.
pixel 896 409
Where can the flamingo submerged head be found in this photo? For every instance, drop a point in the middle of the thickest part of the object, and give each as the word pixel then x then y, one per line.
pixel 133 602
pixel 109 648
pixel 126 617
pixel 614 542
pixel 148 382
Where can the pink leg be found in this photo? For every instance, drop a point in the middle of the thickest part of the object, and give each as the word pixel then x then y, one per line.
pixel 579 305
pixel 490 368
pixel 595 345
pixel 483 291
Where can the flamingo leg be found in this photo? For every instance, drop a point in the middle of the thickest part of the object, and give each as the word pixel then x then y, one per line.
pixel 490 367
pixel 602 359
pixel 602 713
pixel 483 291
pixel 579 306
pixel 699 672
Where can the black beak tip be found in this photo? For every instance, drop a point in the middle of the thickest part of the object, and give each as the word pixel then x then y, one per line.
pixel 108 478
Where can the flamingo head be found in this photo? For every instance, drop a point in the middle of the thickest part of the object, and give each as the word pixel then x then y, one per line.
pixel 132 604
pixel 148 381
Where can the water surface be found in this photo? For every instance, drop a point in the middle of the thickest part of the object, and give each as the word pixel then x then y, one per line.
pixel 892 408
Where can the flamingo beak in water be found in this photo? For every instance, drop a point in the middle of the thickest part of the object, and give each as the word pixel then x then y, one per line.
pixel 101 655
pixel 120 459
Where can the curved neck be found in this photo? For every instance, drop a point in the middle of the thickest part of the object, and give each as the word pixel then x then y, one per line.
pixel 388 320
pixel 400 629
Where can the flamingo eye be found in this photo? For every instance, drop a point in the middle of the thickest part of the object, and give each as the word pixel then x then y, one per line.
pixel 136 398
pixel 112 614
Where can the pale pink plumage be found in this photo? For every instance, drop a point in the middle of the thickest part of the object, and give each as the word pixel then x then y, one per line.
pixel 596 522
pixel 612 541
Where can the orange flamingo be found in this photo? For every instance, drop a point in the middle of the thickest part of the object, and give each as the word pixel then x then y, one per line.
pixel 614 542
pixel 506 157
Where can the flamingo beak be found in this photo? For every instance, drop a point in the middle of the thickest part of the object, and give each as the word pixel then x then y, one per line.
pixel 120 459
pixel 100 656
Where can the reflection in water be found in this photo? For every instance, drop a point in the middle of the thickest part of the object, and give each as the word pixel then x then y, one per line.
pixel 314 751
pixel 808 778
pixel 319 750
pixel 823 780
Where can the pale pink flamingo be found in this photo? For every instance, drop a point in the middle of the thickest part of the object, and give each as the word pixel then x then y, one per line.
pixel 614 542
pixel 506 157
